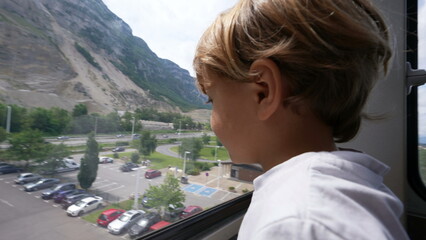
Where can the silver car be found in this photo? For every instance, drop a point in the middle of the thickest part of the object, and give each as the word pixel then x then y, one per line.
pixel 27 177
pixel 41 184
pixel 125 221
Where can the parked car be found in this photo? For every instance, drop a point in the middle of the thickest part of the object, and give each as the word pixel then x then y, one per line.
pixel 173 212
pixel 63 137
pixel 85 205
pixel 136 136
pixel 70 200
pixel 3 163
pixel 108 216
pixel 190 210
pixel 50 193
pixel 151 173
pixel 159 225
pixel 63 194
pixel 125 221
pixel 27 178
pixel 119 136
pixel 106 160
pixel 143 224
pixel 67 164
pixel 8 168
pixel 129 166
pixel 41 184
pixel 119 149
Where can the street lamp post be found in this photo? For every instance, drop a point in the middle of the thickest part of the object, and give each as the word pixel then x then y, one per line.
pixel 184 161
pixel 219 169
pixel 9 114
pixel 133 128
pixel 135 204
pixel 215 152
pixel 96 125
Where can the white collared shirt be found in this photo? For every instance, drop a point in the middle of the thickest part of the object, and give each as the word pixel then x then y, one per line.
pixel 324 195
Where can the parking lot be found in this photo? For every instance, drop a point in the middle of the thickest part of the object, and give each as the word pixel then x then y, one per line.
pixel 24 215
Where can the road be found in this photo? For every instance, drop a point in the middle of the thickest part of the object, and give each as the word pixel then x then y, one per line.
pixel 73 141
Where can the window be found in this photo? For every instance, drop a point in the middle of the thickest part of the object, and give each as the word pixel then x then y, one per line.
pixel 422 92
pixel 47 97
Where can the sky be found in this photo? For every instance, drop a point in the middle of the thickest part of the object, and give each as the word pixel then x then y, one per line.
pixel 172 28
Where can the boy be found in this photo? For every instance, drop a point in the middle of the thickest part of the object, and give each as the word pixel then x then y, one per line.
pixel 287 79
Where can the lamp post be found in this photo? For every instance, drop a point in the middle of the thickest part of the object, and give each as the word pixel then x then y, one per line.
pixel 9 114
pixel 219 169
pixel 96 125
pixel 184 161
pixel 135 204
pixel 133 128
pixel 215 152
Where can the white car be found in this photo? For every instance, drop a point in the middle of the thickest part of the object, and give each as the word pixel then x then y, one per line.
pixel 106 160
pixel 85 205
pixel 125 221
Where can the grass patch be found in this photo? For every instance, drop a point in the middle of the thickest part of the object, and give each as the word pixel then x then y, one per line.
pixel 208 153
pixel 158 160
pixel 93 216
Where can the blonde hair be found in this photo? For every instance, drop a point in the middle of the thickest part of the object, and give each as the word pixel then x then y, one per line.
pixel 330 51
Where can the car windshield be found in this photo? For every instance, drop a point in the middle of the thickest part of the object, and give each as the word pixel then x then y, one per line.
pixel 80 203
pixel 124 218
pixel 103 217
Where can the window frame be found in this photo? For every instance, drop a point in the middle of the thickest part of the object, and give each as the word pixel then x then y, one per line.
pixel 201 224
pixel 413 171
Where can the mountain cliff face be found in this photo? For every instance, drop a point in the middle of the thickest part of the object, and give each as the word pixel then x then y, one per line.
pixel 64 52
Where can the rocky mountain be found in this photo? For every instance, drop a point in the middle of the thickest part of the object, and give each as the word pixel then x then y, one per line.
pixel 64 52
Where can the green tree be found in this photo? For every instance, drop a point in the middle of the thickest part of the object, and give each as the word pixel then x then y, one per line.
pixel 148 144
pixel 28 145
pixel 39 119
pixel 192 145
pixel 135 157
pixel 205 138
pixel 167 193
pixel 89 163
pixel 79 110
pixel 60 120
pixel 3 134
pixel 18 117
pixel 54 156
pixel 218 142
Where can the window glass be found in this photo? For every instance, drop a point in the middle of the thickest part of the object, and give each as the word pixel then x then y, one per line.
pixel 422 90
pixel 73 88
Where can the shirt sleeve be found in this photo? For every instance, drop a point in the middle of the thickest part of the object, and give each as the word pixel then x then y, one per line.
pixel 294 228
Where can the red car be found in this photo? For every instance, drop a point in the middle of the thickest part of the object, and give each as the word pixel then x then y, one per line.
pixel 159 225
pixel 108 216
pixel 151 173
pixel 190 210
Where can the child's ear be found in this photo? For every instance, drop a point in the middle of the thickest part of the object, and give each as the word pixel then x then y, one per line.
pixel 268 87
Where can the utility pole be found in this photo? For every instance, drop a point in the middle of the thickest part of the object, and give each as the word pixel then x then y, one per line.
pixel 96 125
pixel 133 127
pixel 9 116
pixel 184 162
